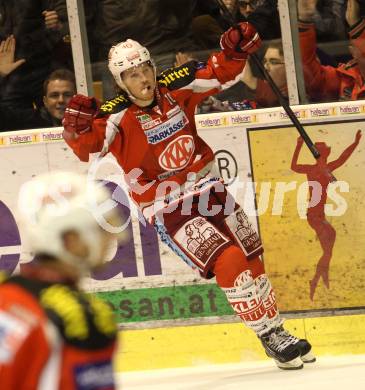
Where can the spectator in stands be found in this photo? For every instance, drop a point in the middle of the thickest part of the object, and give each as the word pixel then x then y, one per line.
pixel 58 90
pixel 35 36
pixel 251 91
pixel 234 98
pixel 329 19
pixel 346 81
pixel 263 14
pixel 57 20
pixel 8 65
pixel 273 62
pixel 162 25
pixel 166 30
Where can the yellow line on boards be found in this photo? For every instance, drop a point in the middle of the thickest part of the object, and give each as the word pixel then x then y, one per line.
pixel 186 346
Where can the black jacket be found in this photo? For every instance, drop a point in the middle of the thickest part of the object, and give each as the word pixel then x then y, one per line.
pixel 265 19
pixel 164 26
pixel 24 19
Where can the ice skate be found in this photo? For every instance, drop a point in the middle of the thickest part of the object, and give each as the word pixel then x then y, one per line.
pixel 303 345
pixel 280 347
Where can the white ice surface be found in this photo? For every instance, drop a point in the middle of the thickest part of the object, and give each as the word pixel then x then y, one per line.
pixel 328 373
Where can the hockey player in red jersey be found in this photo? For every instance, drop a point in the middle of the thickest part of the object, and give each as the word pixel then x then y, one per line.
pixel 53 336
pixel 169 169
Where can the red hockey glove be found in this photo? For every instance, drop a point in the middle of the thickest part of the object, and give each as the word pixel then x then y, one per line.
pixel 79 114
pixel 238 43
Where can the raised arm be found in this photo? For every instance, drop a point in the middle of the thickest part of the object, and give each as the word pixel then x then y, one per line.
pixel 222 70
pixel 299 168
pixel 346 153
pixel 357 30
pixel 248 77
pixel 7 57
pixel 329 20
pixel 237 45
pixel 322 82
pixel 83 132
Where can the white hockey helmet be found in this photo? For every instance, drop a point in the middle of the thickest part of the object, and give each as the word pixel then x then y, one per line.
pixel 126 55
pixel 55 203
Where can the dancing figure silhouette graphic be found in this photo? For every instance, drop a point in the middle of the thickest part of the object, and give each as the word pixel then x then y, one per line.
pixel 321 173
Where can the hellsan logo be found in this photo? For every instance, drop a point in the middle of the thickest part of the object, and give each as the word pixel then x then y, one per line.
pixel 209 122
pixel 239 118
pixel 350 110
pixel 51 136
pixel 173 75
pixel 298 114
pixel 23 139
pixel 177 153
pixel 321 112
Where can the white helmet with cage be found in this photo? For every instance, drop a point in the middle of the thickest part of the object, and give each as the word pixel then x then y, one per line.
pixel 126 55
pixel 55 203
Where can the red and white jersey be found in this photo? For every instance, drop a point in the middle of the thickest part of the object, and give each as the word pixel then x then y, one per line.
pixel 54 337
pixel 161 140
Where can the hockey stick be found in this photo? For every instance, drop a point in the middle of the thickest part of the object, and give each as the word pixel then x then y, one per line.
pixel 282 100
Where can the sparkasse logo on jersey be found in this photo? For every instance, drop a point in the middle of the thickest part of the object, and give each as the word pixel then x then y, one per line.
pixel 177 153
pixel 166 129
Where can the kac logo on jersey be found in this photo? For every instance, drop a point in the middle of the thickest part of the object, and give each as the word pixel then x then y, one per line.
pixel 177 153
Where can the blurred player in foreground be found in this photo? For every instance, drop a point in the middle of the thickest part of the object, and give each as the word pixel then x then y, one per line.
pixel 150 129
pixel 52 335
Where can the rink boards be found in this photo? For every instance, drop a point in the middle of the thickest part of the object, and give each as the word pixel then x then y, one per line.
pixel 201 345
pixel 157 297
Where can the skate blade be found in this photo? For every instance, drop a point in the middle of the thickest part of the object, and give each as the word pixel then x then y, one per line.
pixel 308 358
pixel 295 364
